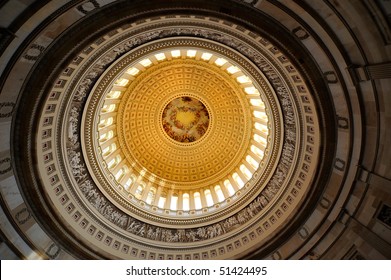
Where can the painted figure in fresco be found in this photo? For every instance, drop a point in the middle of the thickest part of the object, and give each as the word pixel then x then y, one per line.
pixel 185 119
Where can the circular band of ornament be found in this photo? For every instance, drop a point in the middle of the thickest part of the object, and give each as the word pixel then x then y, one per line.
pixel 71 180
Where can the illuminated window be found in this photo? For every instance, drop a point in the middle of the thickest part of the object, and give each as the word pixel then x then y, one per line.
pixel 229 187
pixel 208 197
pixel 133 71
pixel 185 202
pixel 233 69
pixel 109 149
pixel 257 102
pixel 106 122
pixel 252 162
pixel 238 180
pixel 260 139
pixel 119 174
pixel 106 136
pixel 197 200
pixel 106 151
pixel 162 200
pixel 250 90
pixel 139 191
pixel 243 79
pixel 206 56
pixel 114 94
pixel 260 115
pixel 220 61
pixel 261 127
pixel 160 56
pixel 128 183
pixel 174 202
pixel 257 151
pixel 151 196
pixel 114 162
pixel 176 53
pixel 191 53
pixel 245 172
pixel 219 193
pixel 121 82
pixel 108 108
pixel 145 62
pixel 111 163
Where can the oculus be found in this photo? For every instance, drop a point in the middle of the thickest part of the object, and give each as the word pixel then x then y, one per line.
pixel 185 119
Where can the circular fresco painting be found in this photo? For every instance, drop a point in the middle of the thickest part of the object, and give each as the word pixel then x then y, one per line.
pixel 185 119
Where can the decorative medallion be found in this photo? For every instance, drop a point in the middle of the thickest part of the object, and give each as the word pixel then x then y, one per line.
pixel 185 119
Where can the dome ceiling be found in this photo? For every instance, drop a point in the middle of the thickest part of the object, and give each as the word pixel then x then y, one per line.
pixel 111 151
pixel 178 132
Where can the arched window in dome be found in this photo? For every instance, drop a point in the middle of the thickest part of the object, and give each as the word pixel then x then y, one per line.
pixel 206 56
pixel 233 69
pixel 197 200
pixel 160 56
pixel 106 151
pixel 146 62
pixel 114 162
pixel 219 193
pixel 175 53
pixel 208 197
pixel 174 202
pixel 261 127
pixel 129 182
pixel 238 180
pixel 260 115
pixel 252 162
pixel 106 122
pixel 162 200
pixel 120 174
pixel 220 61
pixel 106 136
pixel 245 171
pixel 186 202
pixel 229 187
pixel 109 149
pixel 257 102
pixel 121 82
pixel 249 90
pixel 257 151
pixel 114 94
pixel 151 195
pixel 107 108
pixel 191 53
pixel 259 138
pixel 139 191
pixel 133 71
pixel 124 170
pixel 243 80
pixel 263 122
